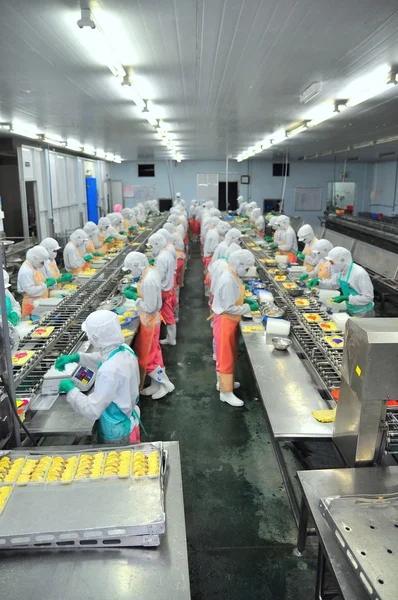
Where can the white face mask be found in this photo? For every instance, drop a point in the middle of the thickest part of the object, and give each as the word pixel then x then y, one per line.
pixel 336 268
pixel 241 271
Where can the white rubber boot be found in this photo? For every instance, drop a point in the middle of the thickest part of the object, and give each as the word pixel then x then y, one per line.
pixel 230 398
pixel 236 383
pixel 170 340
pixel 151 389
pixel 165 385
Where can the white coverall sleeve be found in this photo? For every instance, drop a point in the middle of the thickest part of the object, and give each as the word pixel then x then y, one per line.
pixel 162 267
pixel 111 232
pixel 151 294
pixel 260 224
pixel 330 284
pixel 225 296
pixel 71 258
pixel 362 283
pixel 289 241
pixel 211 242
pixel 15 305
pixel 93 405
pixel 26 283
pixel 90 360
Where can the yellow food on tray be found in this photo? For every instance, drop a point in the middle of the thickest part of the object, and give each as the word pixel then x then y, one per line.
pixel 250 328
pixel 61 469
pixel 328 326
pixel 89 466
pixel 312 317
pixel 122 318
pixel 302 302
pixel 268 261
pixel 280 277
pixel 21 357
pixel 87 272
pixel 43 332
pixel 34 470
pixel 131 314
pixel 146 464
pixel 256 249
pixel 9 469
pixel 5 491
pixel 117 464
pixel 250 244
pixel 273 271
pixel 70 287
pixel 334 341
pixel 127 333
pixel 290 286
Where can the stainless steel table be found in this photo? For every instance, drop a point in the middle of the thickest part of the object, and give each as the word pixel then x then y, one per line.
pixel 102 574
pixel 334 482
pixel 287 390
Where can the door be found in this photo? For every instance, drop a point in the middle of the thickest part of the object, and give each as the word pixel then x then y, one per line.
pixel 31 202
pixel 232 195
pixel 92 202
pixel 116 193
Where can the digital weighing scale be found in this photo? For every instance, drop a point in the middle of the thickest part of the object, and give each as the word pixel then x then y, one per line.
pixel 82 377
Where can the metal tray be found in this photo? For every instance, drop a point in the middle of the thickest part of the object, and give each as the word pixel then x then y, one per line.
pixel 366 528
pixel 105 512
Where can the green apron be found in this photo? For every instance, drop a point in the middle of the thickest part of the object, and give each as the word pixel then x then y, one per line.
pixel 347 291
pixel 114 425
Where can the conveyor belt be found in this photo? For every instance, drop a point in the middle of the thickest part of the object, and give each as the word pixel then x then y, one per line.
pixel 67 319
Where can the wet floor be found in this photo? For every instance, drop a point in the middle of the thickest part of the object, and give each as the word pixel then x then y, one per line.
pixel 240 529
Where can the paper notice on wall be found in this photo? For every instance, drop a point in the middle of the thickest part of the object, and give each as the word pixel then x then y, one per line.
pixel 307 199
pixel 128 191
pixel 1 217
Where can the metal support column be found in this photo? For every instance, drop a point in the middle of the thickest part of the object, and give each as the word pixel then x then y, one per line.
pixel 22 190
pixel 226 185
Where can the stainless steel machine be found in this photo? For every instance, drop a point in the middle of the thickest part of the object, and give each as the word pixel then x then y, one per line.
pixel 365 423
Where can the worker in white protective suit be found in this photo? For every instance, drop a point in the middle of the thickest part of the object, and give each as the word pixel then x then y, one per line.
pixel 176 220
pixel 177 198
pixel 193 228
pixel 165 264
pixel 147 293
pixel 242 209
pixel 32 283
pixel 321 269
pixel 50 268
pixel 179 246
pixel 287 244
pixel 239 202
pixel 116 388
pixel 306 234
pixel 76 255
pixel 258 222
pixel 214 236
pixel 13 308
pixel 232 236
pixel 108 234
pixel 355 284
pixel 249 209
pixel 228 307
pixel 95 245
pixel 169 242
pixel 216 267
pixel 117 221
pixel 129 220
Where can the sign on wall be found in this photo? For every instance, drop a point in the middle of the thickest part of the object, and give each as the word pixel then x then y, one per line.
pixel 308 199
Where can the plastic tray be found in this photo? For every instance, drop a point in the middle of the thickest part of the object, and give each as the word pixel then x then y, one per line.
pixel 146 453
pixel 116 475
pixel 87 478
pixel 60 481
pixel 29 482
pixel 8 496
pixel 17 472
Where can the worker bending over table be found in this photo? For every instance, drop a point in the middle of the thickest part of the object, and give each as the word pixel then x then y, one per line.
pixel 321 269
pixel 32 283
pixel 148 295
pixel 228 307
pixel 354 282
pixel 116 388
pixel 287 244
pixel 50 268
pixel 306 234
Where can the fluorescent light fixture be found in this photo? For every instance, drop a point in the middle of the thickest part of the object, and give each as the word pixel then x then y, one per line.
pixel 258 147
pixel 322 113
pixel 5 126
pixel 377 89
pixel 97 44
pixel 53 139
pixel 266 144
pixel 74 145
pixel 278 136
pixel 297 130
pixel 24 130
pixel 149 117
pixel 369 85
pixel 100 153
pixel 110 156
pixel 117 159
pixel 251 151
pixel 89 150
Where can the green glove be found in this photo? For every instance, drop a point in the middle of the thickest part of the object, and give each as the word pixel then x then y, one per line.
pixel 303 277
pixel 130 295
pixel 65 359
pixel 247 286
pixel 14 318
pixel 132 228
pixel 313 283
pixel 250 226
pixel 88 257
pixel 98 254
pixel 130 238
pixel 252 303
pixel 122 232
pixel 131 288
pixel 151 261
pixel 109 240
pixel 66 277
pixel 50 282
pixel 300 255
pixel 66 386
pixel 340 299
pixel 140 223
pixel 273 246
pixel 269 239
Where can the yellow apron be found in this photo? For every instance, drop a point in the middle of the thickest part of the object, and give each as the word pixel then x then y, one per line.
pixel 308 252
pixel 27 301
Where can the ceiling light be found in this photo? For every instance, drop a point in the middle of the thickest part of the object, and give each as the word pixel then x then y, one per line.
pixel 132 93
pixel 74 145
pixel 100 153
pixel 117 159
pixel 370 86
pixel 278 137
pixel 322 113
pixel 239 158
pixel 110 157
pixel 54 140
pixel 297 130
pixel 258 148
pixel 24 130
pixel 89 150
pixel 5 126
pixel 97 44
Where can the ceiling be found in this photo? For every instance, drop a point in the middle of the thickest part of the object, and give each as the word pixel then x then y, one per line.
pixel 221 73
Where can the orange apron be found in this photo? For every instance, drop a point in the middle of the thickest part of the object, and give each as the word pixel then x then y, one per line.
pixel 323 270
pixel 225 332
pixel 56 274
pixel 308 252
pixel 289 253
pixel 90 247
pixel 126 225
pixel 146 342
pixel 27 301
pixel 104 248
pixel 80 269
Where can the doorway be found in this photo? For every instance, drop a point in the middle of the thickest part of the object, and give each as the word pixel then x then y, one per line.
pixel 232 195
pixel 31 201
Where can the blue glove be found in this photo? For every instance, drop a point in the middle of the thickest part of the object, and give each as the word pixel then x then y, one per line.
pixel 65 386
pixel 65 359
